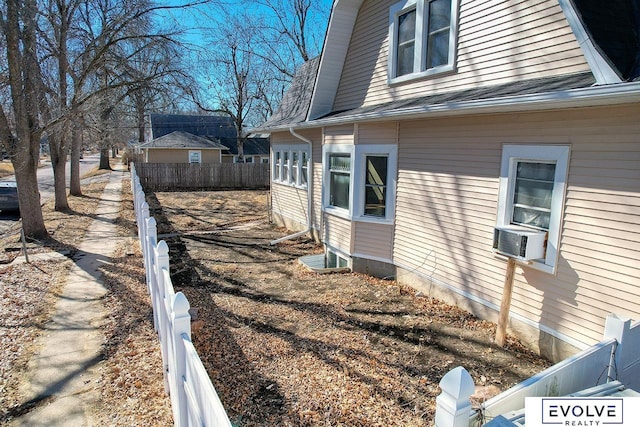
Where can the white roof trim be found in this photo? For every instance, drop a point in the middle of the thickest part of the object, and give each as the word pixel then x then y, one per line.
pixel 336 44
pixel 600 66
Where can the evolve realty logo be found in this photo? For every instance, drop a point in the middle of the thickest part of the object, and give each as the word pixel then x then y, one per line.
pixel 577 412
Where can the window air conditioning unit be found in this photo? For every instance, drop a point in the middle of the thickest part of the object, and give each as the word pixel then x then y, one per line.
pixel 519 242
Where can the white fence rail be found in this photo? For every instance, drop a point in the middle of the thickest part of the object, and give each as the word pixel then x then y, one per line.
pixel 194 400
pixel 615 358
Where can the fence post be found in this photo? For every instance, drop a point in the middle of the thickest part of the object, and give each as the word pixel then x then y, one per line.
pixel 453 407
pixel 617 327
pixel 162 263
pixel 181 321
pixel 150 244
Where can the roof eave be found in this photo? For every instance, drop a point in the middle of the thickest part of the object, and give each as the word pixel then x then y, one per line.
pixel 595 96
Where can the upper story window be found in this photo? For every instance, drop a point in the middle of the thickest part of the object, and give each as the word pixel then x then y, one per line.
pixel 422 36
pixel 532 192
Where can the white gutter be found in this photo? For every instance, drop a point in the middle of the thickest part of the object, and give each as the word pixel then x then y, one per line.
pixel 309 191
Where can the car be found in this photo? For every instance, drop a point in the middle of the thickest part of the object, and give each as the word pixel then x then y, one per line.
pixel 9 196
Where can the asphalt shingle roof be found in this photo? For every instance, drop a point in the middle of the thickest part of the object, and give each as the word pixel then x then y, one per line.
pixel 179 139
pixel 217 126
pixel 295 102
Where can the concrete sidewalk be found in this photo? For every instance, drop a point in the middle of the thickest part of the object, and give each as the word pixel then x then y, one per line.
pixel 62 386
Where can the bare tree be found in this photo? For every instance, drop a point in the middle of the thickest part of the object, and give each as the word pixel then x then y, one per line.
pixel 236 74
pixel 20 127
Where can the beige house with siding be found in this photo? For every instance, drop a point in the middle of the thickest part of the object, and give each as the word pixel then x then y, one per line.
pixel 181 147
pixel 435 139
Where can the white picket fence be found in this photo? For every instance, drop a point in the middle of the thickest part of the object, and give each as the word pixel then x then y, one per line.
pixel 615 358
pixel 194 400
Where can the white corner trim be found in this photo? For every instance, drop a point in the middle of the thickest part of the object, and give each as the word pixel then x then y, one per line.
pixel 600 67
pixel 336 43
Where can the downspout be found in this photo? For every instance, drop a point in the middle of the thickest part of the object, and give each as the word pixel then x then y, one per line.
pixel 309 191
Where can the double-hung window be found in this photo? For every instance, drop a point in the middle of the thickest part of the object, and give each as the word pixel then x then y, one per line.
pixel 532 192
pixel 339 180
pixel 375 186
pixel 422 36
pixel 360 181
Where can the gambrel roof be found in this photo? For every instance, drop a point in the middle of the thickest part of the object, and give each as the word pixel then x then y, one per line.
pixel 613 57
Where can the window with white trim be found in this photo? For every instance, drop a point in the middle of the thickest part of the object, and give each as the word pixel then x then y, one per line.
pixel 277 165
pixel 339 180
pixel 422 36
pixel 304 168
pixel 532 193
pixel 375 185
pixel 290 163
pixel 360 181
pixel 195 156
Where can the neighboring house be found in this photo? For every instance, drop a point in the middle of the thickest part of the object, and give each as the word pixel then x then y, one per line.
pixel 426 125
pixel 255 149
pixel 181 147
pixel 220 130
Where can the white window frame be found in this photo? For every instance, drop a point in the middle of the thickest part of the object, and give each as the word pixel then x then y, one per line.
pixel 290 177
pixel 361 153
pixel 420 47
pixel 327 151
pixel 357 180
pixel 558 154
pixel 195 154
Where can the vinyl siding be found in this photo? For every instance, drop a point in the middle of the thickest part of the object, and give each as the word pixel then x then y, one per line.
pixel 169 155
pixel 498 42
pixel 291 202
pixel 373 241
pixel 337 233
pixel 447 202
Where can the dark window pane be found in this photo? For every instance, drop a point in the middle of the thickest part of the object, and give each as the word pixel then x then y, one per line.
pixel 376 186
pixel 405 49
pixel 438 49
pixel 439 15
pixel 407 27
pixel 339 191
pixel 405 59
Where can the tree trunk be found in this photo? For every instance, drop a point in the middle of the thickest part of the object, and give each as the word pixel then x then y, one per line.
pixel 104 158
pixel 76 148
pixel 29 196
pixel 25 83
pixel 58 150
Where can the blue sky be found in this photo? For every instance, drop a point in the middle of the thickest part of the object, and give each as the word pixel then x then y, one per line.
pixel 196 20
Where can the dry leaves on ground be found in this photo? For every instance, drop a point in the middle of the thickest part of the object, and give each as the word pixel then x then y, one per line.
pixel 131 383
pixel 285 346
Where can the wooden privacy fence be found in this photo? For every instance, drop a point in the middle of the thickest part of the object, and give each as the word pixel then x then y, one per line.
pixel 194 400
pixel 194 176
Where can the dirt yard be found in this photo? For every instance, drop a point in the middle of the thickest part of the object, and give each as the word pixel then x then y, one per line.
pixel 285 346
